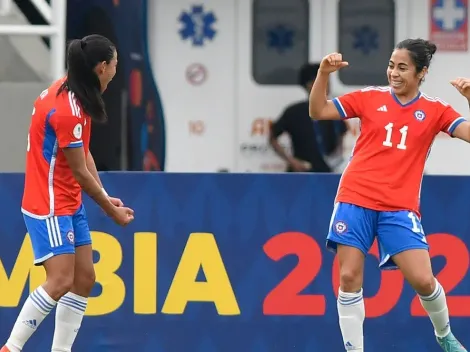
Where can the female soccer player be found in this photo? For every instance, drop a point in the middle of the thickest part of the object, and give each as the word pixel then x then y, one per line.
pixel 379 191
pixel 59 166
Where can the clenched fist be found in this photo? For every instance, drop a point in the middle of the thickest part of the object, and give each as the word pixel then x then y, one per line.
pixel 332 62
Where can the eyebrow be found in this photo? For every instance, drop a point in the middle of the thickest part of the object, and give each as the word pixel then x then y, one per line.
pixel 400 63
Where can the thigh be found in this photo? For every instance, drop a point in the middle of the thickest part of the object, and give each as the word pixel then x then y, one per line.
pixel 49 237
pixel 84 266
pixel 81 229
pixel 398 231
pixel 352 226
pixel 415 264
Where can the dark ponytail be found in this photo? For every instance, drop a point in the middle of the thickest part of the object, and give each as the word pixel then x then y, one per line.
pixel 82 57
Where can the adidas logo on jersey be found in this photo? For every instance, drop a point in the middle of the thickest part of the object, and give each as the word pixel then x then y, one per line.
pixel 383 108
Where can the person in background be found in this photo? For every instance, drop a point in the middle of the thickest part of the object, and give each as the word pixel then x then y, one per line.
pixel 313 142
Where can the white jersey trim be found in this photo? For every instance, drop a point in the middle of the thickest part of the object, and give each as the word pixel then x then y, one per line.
pixel 50 179
pixel 74 105
pixel 35 216
pixel 376 88
pixel 434 99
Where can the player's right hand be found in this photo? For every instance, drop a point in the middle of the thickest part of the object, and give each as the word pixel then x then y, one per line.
pixel 332 62
pixel 123 215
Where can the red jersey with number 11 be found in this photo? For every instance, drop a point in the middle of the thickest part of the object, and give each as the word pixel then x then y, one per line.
pixel 387 165
pixel 57 122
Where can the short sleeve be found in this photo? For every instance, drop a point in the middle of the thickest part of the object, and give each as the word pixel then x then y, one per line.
pixel 68 130
pixel 350 105
pixel 281 125
pixel 449 120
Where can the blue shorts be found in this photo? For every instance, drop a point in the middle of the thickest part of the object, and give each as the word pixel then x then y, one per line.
pixel 396 231
pixel 58 234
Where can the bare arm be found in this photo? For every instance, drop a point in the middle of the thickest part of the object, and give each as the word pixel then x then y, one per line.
pixel 462 131
pixel 320 108
pixel 277 129
pixel 78 164
pixel 279 149
pixel 91 166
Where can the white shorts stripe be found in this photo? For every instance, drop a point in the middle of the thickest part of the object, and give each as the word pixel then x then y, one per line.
pixel 53 230
pixel 333 214
pixel 49 232
pixel 52 227
pixel 57 227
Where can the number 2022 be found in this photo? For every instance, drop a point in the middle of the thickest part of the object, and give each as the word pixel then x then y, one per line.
pixel 286 297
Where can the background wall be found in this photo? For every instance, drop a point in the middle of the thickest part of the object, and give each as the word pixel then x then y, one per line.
pixel 228 67
pixel 220 262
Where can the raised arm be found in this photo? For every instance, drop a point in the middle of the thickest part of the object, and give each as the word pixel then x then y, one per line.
pixel 320 108
pixel 453 123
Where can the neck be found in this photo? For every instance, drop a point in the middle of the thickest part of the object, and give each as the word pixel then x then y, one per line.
pixel 406 98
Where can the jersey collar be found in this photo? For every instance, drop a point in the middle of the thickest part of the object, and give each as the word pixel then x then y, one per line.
pixel 407 104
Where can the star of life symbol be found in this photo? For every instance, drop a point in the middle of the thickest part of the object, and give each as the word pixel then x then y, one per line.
pixel 197 25
pixel 280 38
pixel 449 15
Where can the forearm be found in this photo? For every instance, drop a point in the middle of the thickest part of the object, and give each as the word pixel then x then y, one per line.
pixel 91 166
pixel 279 150
pixel 93 188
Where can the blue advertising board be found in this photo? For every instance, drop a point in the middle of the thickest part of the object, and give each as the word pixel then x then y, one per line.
pixel 236 262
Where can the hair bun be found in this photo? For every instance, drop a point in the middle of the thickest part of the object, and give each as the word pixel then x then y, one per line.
pixel 431 47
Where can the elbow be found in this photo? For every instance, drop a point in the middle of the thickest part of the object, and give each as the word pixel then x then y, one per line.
pixel 314 112
pixel 311 113
pixel 314 115
pixel 80 175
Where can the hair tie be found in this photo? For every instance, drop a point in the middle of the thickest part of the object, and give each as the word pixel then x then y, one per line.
pixel 82 44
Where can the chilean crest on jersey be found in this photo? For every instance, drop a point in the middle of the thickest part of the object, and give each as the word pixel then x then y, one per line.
pixel 420 115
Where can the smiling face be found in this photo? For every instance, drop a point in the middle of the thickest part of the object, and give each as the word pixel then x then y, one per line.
pixel 402 74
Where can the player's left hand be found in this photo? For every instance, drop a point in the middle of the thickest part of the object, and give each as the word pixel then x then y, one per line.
pixel 116 201
pixel 462 85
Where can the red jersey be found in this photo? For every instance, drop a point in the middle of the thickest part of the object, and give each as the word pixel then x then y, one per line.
pixel 57 122
pixel 387 165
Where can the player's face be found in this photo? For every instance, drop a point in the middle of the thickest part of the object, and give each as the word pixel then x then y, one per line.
pixel 401 73
pixel 107 71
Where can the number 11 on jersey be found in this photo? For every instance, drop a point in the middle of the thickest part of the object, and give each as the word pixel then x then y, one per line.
pixel 388 139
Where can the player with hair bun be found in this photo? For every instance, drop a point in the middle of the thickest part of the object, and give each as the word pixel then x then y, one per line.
pixel 379 191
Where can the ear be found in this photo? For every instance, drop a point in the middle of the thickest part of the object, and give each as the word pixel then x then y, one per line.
pixel 423 72
pixel 100 68
pixel 103 66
